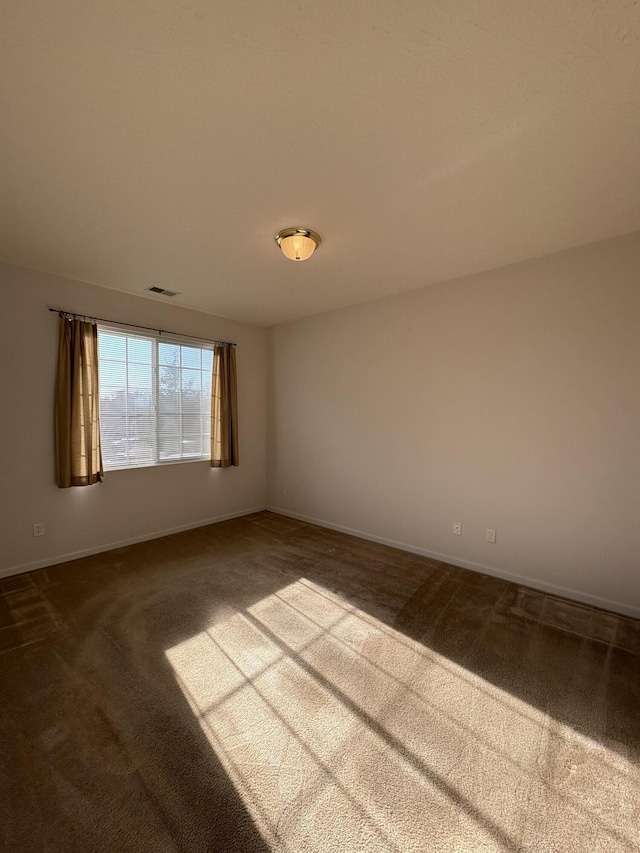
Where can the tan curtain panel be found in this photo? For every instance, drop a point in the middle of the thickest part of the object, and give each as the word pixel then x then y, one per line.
pixel 224 409
pixel 77 413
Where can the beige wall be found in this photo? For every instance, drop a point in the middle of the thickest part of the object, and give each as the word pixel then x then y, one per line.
pixel 509 399
pixel 506 400
pixel 129 504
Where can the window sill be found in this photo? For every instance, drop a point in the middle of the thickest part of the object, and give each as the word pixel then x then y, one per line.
pixel 156 464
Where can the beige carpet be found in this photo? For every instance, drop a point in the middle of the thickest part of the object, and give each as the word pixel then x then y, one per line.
pixel 266 685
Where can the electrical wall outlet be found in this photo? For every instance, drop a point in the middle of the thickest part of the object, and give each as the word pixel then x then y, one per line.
pixel 491 535
pixel 38 528
pixel 283 490
pixel 456 528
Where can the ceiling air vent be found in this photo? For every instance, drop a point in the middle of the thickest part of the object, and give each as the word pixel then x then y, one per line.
pixel 163 291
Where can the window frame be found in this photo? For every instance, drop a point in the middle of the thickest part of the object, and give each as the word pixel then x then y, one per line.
pixel 156 338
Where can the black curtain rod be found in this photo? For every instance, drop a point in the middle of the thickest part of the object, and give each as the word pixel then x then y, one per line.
pixel 135 326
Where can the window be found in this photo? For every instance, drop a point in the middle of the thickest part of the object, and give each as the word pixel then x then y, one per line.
pixel 155 399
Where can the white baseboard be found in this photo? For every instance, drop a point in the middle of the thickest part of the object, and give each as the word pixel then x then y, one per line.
pixel 543 586
pixel 110 546
pixel 553 589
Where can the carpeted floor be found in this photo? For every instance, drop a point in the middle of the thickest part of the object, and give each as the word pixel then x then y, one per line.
pixel 267 685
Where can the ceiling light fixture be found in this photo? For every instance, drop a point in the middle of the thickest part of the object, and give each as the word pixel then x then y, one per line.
pixel 297 244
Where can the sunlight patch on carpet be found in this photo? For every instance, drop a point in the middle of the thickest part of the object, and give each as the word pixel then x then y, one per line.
pixel 342 734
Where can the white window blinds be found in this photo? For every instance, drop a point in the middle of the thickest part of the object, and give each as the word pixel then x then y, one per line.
pixel 155 399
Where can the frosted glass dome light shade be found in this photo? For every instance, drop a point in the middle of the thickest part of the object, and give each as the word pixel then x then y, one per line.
pixel 297 244
pixel 298 247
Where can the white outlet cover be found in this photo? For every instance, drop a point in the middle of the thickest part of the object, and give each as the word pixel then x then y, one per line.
pixel 456 528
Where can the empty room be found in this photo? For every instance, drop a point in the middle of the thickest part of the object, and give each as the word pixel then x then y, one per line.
pixel 320 406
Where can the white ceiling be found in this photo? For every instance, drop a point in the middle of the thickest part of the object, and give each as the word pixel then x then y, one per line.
pixel 166 141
